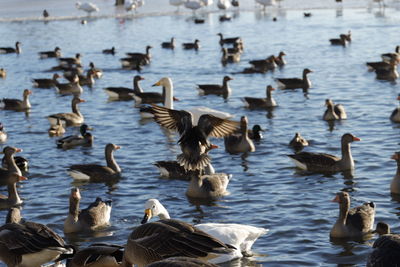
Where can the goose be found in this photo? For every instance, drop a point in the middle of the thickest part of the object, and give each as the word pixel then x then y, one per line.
pixel 45 14
pixel 21 163
pixel 95 216
pixel 339 41
pixel 193 138
pixel 237 48
pixel 321 162
pixel 223 4
pixel 172 169
pixel 71 140
pixel 235 3
pixel 49 54
pixel 181 261
pixel 3 73
pixel 229 57
pixel 269 102
pixel 239 143
pixel 298 142
pixel 67 61
pixel 3 134
pixel 140 56
pixel 354 222
pixel 208 186
pixel 95 172
pixel 97 73
pixel 169 45
pixel 215 89
pixel 395 183
pixel 347 36
pixel 279 60
pixel 46 83
pixel 74 118
pixel 13 198
pixel 390 74
pixel 231 40
pixel 373 66
pixel 56 130
pixel 193 5
pixel 392 56
pixel 88 79
pixel 16 104
pixel 109 51
pixel 9 50
pixel 264 65
pixel 151 97
pixel 195 45
pixel 98 255
pixel 71 88
pixel 334 112
pixel 395 116
pixel 11 163
pixel 29 244
pixel 293 83
pixel 87 7
pixel 239 236
pixel 124 93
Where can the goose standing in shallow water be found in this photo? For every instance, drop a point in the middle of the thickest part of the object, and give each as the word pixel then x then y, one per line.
pixel 215 89
pixel 294 83
pixel 322 162
pixel 334 112
pixel 16 104
pixel 253 102
pixel 395 116
pixel 74 118
pixel 9 50
pixel 239 143
pixel 354 222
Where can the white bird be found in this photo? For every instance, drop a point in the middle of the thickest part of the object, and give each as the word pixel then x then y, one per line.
pixel 223 4
pixel 193 5
pixel 207 2
pixel 130 5
pixel 87 7
pixel 266 3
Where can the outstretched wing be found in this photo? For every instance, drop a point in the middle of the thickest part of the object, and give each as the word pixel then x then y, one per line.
pixel 216 127
pixel 179 120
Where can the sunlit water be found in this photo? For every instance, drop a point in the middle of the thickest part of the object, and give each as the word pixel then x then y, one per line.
pixel 266 190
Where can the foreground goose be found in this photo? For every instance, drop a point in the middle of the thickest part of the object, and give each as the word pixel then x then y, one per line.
pixel 334 112
pixel 125 93
pixel 74 118
pixel 9 50
pixel 29 244
pixel 16 104
pixel 395 183
pixel 239 143
pixel 254 103
pixel 95 216
pixel 195 45
pixel 49 54
pixel 3 134
pixel 354 222
pixel 321 162
pixel 169 45
pixel 13 198
pixel 193 138
pixel 74 140
pixel 98 255
pixel 95 172
pixel 215 89
pixel 209 186
pixel 293 83
pixel 298 142
pixel 46 83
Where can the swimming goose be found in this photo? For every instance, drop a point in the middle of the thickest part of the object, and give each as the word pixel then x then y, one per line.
pixel 208 186
pixel 321 162
pixel 347 36
pixel 3 134
pixel 180 262
pixel 395 183
pixel 16 104
pixel 298 142
pixel 98 255
pixel 97 73
pixel 88 79
pixel 3 73
pixel 9 50
pixel 293 83
pixel 390 74
pixel 229 57
pixel 231 40
pixel 395 116
pixel 71 88
pixel 172 169
pixel 109 51
pixel 264 65
pixel 95 172
pixel 74 118
pixel 334 112
pixel 46 83
pixel 193 138
pixel 87 7
pixel 354 222
pixel 279 60
pixel 13 198
pixel 253 102
pixel 124 93
pixel 95 216
pixel 67 61
pixel 56 130
pixel 150 97
pixel 29 244
pixel 216 89
pixel 72 140
pixel 49 54
pixel 169 45
pixel 140 56
pixel 372 66
pixel 392 56
pixel 195 45
pixel 11 163
pixel 339 41
pixel 239 143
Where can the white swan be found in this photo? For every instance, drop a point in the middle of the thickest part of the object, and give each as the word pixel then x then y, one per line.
pixel 241 236
pixel 196 111
pixel 87 7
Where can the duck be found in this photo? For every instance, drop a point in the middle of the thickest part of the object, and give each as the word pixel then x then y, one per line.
pixel 264 65
pixel 30 244
pixel 3 134
pixel 95 172
pixel 98 255
pixel 395 116
pixel 279 60
pixel 3 73
pixel 269 102
pixel 96 215
pixel 355 222
pixel 181 261
pixel 173 170
pixel 97 73
pixel 231 40
pixel 229 57
pixel 87 7
pixel 239 143
pixel 347 36
pixel 49 54
pixel 294 83
pixel 21 162
pixel 11 163
pixel 193 138
pixel 195 45
pixel 392 56
pixel 334 112
pixel 9 50
pixel 255 132
pixel 16 104
pixel 72 140
pixel 169 45
pixel 321 162
pixel 124 93
pixel 395 183
pixel 45 14
pixel 208 186
pixel 339 41
pixel 56 130
pixel 71 88
pixel 110 51
pixel 68 61
pixel 298 142
pixel 46 83
pixel 216 89
pixel 74 118
pixel 390 74
pixel 13 198
pixel 85 140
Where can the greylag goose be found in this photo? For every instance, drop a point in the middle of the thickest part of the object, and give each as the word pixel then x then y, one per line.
pixel 395 183
pixel 208 186
pixel 298 142
pixel 87 79
pixel 95 172
pixel 97 73
pixel 373 66
pixel 334 112
pixel 216 89
pixel 14 164
pixel 137 59
pixel 392 56
pixel 3 134
pixel 13 198
pixel 16 104
pixel 46 83
pixel 3 73
pixel 395 116
pixel 339 41
pixel 71 88
pixel 56 130
pixel 231 40
pixel 95 216
pixel 74 118
pixel 49 54
pixel 124 93
pixel 354 222
pixel 390 74
pixel 253 102
pixel 98 255
pixel 293 83
pixel 172 169
pixel 67 61
pixel 169 45
pixel 193 138
pixel 264 65
pixel 279 60
pixel 229 57
pixel 180 262
pixel 321 162
pixel 73 140
pixel 109 51
pixel 195 45
pixel 239 143
pixel 29 244
pixel 9 50
pixel 141 56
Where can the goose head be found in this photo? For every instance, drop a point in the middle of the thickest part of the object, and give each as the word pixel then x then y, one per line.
pixel 26 93
pixel 349 138
pixel 227 78
pixel 307 71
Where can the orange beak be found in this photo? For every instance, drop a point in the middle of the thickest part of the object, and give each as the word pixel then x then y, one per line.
pixel 336 199
pixel 356 139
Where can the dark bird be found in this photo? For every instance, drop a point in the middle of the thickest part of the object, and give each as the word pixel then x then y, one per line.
pixel 195 45
pixel 9 50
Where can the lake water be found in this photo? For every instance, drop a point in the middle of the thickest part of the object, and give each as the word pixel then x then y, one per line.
pixel 266 190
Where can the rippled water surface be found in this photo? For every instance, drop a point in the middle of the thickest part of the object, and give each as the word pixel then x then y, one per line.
pixel 266 190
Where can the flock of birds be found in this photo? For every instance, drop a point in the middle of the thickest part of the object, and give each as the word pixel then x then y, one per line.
pixel 170 242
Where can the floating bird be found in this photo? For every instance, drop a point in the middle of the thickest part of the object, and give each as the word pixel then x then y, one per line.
pixel 392 56
pixel 264 65
pixel 85 139
pixel 390 74
pixel 97 73
pixel 125 93
pixel 99 254
pixel 195 45
pixel 231 40
pixel 279 60
pixel 49 54
pixel 298 142
pixel 294 83
pixel 11 163
pixel 395 183
pixel 109 51
pixel 13 198
pixel 334 112
pixel 46 83
pixel 229 57
pixel 3 134
pixel 215 89
pixel 338 41
pixel 9 50
pixel 256 103
pixel 16 104
pixel 74 118
pixel 58 129
pixel 67 61
pixel 87 7
pixel 395 116
pixel 71 88
pixel 239 143
pixel 169 45
pixel 45 14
